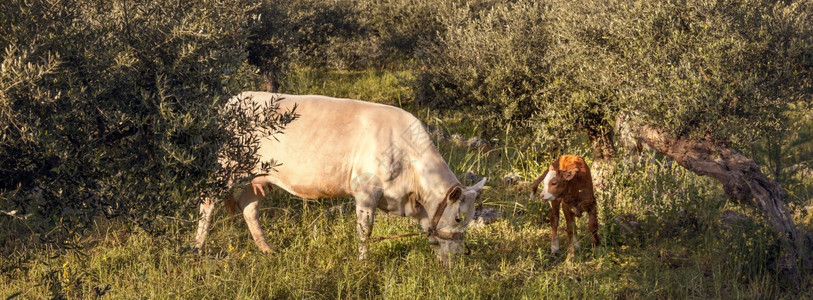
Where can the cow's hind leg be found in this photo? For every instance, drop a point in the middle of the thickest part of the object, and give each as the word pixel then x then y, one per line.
pixel 365 216
pixel 248 201
pixel 206 209
pixel 554 225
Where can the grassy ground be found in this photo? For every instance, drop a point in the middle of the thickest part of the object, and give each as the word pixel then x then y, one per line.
pixel 681 248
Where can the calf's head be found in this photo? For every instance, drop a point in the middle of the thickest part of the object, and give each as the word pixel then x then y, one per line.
pixel 447 227
pixel 554 182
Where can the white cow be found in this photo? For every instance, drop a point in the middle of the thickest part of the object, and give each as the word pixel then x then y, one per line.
pixel 378 154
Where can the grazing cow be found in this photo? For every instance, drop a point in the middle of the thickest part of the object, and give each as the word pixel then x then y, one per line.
pixel 378 154
pixel 568 181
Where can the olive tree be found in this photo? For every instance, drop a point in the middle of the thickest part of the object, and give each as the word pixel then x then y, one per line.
pixel 695 80
pixel 345 34
pixel 119 107
pixel 702 79
pixel 514 64
pixel 493 61
pixel 310 33
pixel 401 26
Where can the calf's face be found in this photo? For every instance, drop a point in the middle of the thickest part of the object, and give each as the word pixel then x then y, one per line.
pixel 555 183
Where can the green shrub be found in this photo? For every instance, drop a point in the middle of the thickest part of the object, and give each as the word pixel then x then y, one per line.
pixel 401 26
pixel 312 32
pixel 509 64
pixel 120 107
pixel 719 70
pixel 345 34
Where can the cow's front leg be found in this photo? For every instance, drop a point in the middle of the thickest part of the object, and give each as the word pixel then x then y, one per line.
pixel 570 226
pixel 365 216
pixel 249 200
pixel 554 226
pixel 206 209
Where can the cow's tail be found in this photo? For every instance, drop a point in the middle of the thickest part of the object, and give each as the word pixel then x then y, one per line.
pixel 535 185
pixel 231 204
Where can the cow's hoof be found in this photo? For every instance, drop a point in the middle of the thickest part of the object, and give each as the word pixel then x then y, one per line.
pixel 265 249
pixel 362 252
pixel 554 247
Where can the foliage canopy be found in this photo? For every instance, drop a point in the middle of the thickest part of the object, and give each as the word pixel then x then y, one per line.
pixel 721 70
pixel 119 107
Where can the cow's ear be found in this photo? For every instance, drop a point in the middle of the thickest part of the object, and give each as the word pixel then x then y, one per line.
pixel 569 174
pixel 416 204
pixel 479 185
pixel 454 193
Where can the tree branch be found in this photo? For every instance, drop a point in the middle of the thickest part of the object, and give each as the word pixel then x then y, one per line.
pixel 742 181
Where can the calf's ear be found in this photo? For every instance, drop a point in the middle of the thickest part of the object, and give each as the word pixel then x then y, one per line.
pixel 569 174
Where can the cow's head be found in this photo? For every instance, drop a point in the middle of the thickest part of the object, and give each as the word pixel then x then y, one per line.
pixel 447 226
pixel 554 181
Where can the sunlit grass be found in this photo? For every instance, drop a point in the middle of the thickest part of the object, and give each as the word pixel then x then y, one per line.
pixel 315 254
pixel 381 86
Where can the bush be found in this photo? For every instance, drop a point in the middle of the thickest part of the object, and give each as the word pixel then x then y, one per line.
pixel 120 107
pixel 495 63
pixel 345 34
pixel 312 32
pixel 724 70
pixel 401 26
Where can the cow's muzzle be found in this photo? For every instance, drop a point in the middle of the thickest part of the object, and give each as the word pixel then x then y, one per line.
pixel 448 246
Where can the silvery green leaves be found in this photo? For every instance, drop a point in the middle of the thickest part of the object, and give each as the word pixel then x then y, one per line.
pixel 250 122
pixel 118 107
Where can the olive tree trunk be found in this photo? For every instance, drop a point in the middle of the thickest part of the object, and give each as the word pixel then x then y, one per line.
pixel 603 156
pixel 742 181
pixel 270 83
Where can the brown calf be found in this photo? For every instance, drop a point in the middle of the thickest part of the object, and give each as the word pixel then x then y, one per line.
pixel 568 182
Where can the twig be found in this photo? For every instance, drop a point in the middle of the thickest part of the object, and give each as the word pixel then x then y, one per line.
pixel 13 214
pixel 178 219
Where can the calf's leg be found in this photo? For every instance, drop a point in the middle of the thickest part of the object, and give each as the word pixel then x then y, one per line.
pixel 554 225
pixel 592 225
pixel 570 226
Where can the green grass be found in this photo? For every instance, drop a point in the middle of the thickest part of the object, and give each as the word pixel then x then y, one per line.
pixel 375 85
pixel 682 249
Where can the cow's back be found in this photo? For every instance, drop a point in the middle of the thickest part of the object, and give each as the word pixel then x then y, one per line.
pixel 332 142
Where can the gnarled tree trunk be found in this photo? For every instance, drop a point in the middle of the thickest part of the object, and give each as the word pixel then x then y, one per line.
pixel 742 181
pixel 603 155
pixel 270 83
